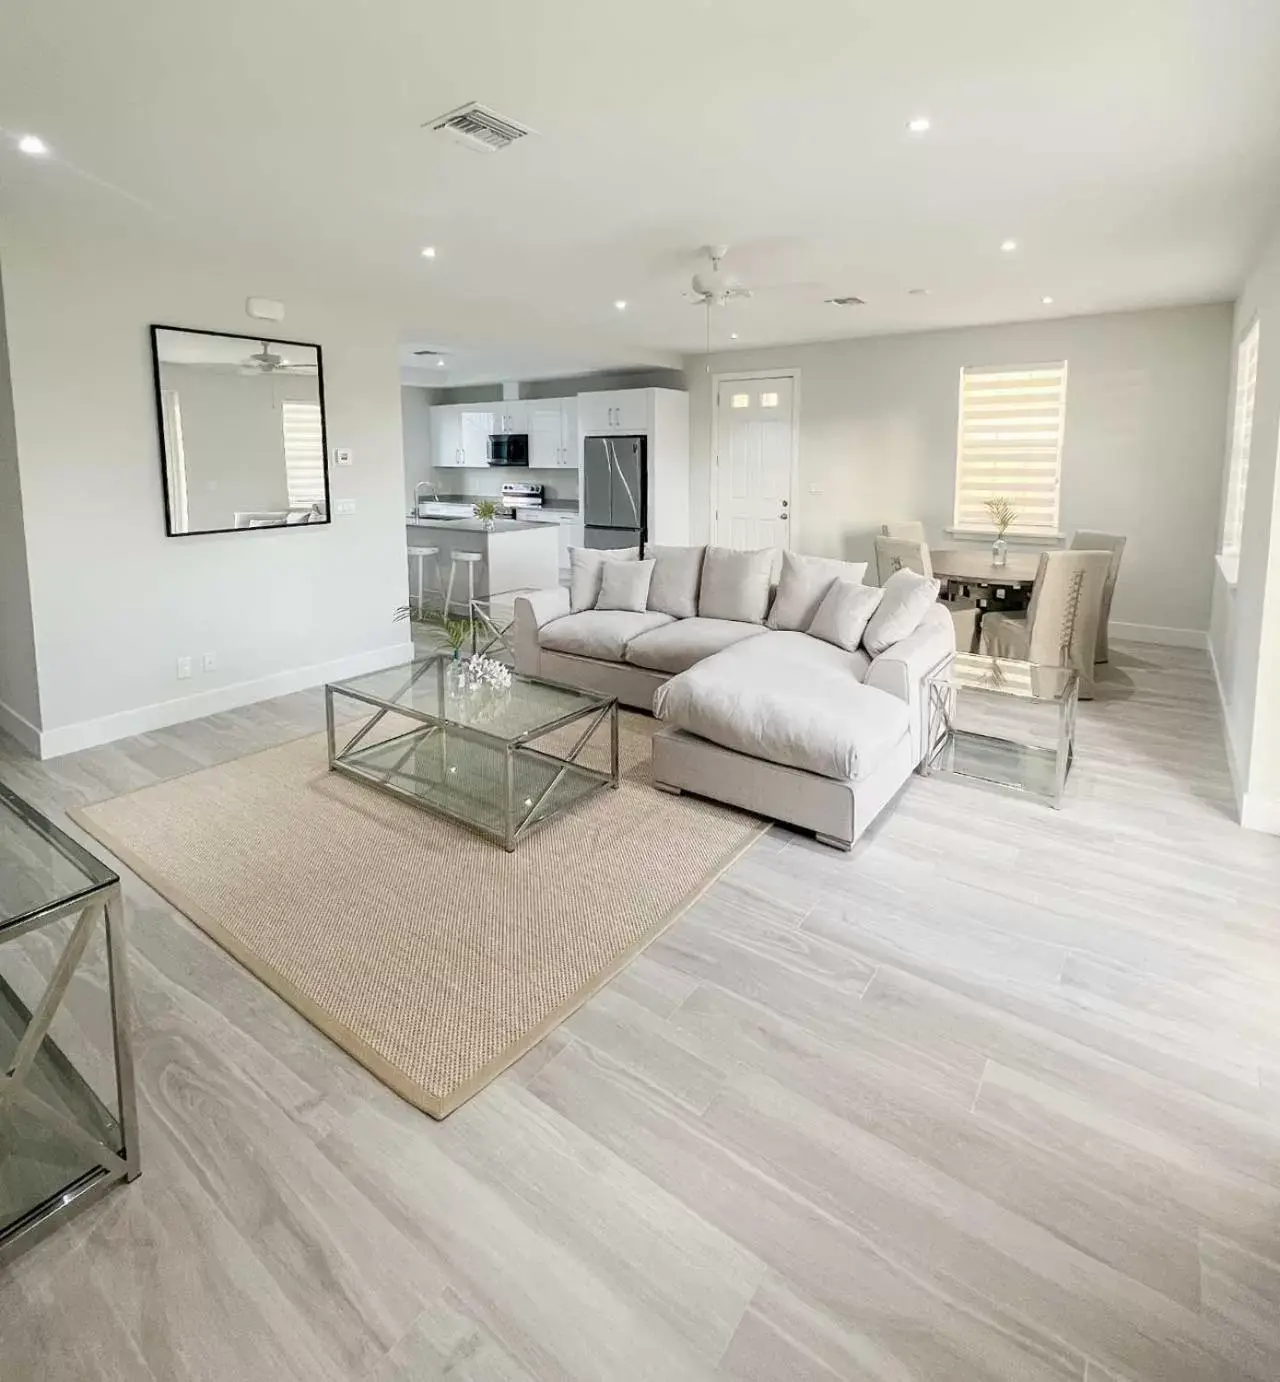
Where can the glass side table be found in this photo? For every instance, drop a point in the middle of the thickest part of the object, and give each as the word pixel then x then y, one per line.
pixel 68 1117
pixel 1008 723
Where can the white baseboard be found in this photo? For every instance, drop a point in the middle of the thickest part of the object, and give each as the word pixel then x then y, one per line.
pixel 20 728
pixel 1260 813
pixel 87 734
pixel 1158 633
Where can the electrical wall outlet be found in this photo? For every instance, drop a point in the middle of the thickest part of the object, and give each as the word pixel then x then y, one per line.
pixel 342 456
pixel 184 668
pixel 209 662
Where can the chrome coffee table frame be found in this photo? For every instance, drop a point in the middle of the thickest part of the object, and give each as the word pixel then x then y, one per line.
pixel 99 898
pixel 392 765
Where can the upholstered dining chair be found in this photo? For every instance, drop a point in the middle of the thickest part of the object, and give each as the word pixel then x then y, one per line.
pixel 908 530
pixel 893 554
pixel 1060 627
pixel 1102 542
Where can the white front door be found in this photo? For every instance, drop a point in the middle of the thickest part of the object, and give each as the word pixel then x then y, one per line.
pixel 755 437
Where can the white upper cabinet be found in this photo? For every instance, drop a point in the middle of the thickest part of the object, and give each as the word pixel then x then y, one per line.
pixel 446 435
pixel 511 415
pixel 618 410
pixel 477 427
pixel 552 433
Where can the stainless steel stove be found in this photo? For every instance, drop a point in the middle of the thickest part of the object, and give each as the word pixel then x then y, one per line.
pixel 516 495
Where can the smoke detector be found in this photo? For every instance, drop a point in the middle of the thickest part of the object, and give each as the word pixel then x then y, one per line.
pixel 477 127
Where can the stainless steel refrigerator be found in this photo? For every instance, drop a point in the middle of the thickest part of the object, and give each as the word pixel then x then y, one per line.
pixel 614 492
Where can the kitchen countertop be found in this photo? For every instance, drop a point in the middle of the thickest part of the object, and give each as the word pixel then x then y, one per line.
pixel 472 525
pixel 551 505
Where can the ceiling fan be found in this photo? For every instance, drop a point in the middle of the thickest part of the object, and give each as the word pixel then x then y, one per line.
pixel 266 361
pixel 716 286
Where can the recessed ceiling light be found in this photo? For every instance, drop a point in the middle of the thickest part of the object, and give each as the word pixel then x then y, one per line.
pixel 439 364
pixel 920 125
pixel 1048 302
pixel 428 251
pixel 733 335
pixel 32 144
pixel 621 304
pixel 1008 246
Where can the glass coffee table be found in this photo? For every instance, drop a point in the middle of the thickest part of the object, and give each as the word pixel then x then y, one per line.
pixel 68 1122
pixel 1008 723
pixel 499 760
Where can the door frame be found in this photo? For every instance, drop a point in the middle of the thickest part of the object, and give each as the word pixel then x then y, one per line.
pixel 791 372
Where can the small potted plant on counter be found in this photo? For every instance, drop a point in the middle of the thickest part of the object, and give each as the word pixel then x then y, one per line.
pixel 486 510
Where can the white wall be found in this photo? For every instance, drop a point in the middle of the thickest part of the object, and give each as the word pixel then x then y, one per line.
pixel 19 692
pixel 415 408
pixel 1146 409
pixel 1246 616
pixel 115 601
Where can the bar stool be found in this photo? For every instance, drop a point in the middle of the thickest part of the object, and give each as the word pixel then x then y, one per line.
pixel 469 560
pixel 422 556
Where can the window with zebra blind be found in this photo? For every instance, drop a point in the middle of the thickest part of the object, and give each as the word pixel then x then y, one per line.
pixel 303 453
pixel 1241 440
pixel 1009 445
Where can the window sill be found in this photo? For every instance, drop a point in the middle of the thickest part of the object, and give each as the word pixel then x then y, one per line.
pixel 1229 568
pixel 1013 539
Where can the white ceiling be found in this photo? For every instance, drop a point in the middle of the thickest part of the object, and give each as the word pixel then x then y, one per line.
pixel 1131 146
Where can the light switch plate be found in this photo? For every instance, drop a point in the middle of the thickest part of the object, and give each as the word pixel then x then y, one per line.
pixel 815 489
pixel 345 506
pixel 342 456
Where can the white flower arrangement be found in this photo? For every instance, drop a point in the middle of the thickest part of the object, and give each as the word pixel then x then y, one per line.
pixel 486 672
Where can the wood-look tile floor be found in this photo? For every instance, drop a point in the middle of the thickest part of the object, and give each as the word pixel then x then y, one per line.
pixel 995 1097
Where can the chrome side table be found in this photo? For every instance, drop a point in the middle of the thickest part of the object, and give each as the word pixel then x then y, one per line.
pixel 68 1115
pixel 1004 722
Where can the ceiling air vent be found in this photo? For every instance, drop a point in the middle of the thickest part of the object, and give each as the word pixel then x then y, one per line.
pixel 477 127
pixel 845 302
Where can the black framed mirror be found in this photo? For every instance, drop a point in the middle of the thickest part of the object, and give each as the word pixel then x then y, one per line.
pixel 243 441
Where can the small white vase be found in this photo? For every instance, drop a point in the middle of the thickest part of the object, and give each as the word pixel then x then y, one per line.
pixel 999 552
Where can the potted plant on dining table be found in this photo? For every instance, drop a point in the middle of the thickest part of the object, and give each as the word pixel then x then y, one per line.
pixel 1003 517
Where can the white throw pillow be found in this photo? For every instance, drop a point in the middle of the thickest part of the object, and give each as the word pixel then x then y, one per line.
pixel 905 600
pixel 585 567
pixel 674 588
pixel 802 585
pixel 624 585
pixel 843 615
pixel 735 585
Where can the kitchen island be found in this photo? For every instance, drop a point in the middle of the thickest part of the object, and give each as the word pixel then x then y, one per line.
pixel 514 555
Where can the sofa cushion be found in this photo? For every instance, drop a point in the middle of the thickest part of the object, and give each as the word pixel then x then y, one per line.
pixel 624 584
pixel 585 565
pixel 676 646
pixel 600 633
pixel 676 574
pixel 844 613
pixel 735 585
pixel 908 597
pixel 802 585
pixel 776 698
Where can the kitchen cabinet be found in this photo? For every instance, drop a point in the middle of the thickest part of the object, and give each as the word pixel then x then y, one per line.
pixel 477 427
pixel 512 415
pixel 614 411
pixel 553 433
pixel 446 436
pixel 570 528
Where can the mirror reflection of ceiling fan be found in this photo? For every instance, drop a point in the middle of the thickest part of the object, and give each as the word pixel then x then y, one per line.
pixel 267 361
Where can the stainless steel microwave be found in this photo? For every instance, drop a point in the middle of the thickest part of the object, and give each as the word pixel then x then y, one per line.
pixel 509 448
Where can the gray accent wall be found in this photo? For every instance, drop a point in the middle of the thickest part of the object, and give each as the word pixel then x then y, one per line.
pixel 1142 455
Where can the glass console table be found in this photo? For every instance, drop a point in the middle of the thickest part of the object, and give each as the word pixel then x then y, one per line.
pixel 1008 723
pixel 68 1120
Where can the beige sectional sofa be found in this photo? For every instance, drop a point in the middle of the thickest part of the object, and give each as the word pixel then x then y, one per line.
pixel 773 720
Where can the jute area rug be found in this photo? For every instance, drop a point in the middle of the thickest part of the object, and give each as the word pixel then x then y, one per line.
pixel 431 955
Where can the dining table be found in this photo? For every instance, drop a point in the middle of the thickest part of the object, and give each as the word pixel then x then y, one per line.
pixel 968 573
